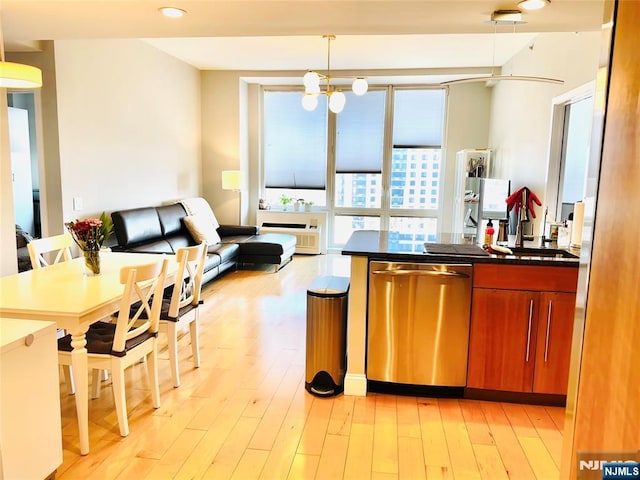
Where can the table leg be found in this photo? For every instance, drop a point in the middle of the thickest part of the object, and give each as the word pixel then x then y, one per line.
pixel 80 377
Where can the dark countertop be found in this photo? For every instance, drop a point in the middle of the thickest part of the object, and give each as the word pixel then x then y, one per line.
pixel 387 245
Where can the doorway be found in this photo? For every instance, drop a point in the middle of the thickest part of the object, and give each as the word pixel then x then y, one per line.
pixel 570 149
pixel 24 162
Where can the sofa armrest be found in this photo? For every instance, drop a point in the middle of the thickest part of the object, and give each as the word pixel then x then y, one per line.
pixel 234 230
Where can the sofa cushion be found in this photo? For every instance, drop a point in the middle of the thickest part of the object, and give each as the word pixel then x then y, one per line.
pixel 268 244
pixel 180 240
pixel 171 219
pixel 226 251
pixel 136 225
pixel 202 229
pixel 157 246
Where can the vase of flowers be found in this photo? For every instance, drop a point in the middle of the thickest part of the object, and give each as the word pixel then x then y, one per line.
pixel 90 235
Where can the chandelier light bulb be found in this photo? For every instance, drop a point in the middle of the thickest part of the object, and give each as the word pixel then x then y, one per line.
pixel 311 80
pixel 360 86
pixel 313 89
pixel 337 101
pixel 309 102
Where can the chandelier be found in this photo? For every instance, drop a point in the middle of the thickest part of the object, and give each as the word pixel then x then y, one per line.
pixel 335 96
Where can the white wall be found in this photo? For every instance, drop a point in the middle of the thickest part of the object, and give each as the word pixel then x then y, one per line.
pixel 521 111
pixel 221 149
pixel 119 128
pixel 129 126
pixel 468 108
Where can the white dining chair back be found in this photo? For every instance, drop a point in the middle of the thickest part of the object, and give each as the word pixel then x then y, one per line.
pixel 132 338
pixel 58 245
pixel 181 309
pixel 40 252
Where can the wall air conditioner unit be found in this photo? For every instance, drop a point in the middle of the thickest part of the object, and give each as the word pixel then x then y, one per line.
pixel 308 228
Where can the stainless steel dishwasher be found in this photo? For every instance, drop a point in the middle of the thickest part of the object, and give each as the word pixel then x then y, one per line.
pixel 418 323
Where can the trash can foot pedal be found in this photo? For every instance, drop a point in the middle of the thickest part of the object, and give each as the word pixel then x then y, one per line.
pixel 323 385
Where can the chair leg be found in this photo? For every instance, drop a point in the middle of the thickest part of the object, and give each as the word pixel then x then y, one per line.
pixel 119 398
pixel 194 330
pixel 96 377
pixel 68 379
pixel 172 343
pixel 152 373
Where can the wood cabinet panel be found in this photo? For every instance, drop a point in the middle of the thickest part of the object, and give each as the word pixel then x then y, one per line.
pixel 502 341
pixel 553 346
pixel 521 328
pixel 525 277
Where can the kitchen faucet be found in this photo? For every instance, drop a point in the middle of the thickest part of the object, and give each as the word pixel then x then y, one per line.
pixel 523 200
pixel 523 216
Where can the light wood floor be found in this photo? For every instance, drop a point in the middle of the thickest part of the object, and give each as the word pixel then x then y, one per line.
pixel 244 414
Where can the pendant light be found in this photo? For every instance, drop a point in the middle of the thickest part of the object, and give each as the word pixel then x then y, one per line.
pixel 336 97
pixel 17 75
pixel 504 17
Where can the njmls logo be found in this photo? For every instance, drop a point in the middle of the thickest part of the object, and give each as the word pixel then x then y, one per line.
pixel 600 465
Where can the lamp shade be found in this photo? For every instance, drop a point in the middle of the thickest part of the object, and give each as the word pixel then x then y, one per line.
pixel 18 75
pixel 231 180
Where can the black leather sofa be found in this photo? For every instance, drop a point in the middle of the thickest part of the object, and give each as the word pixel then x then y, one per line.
pixel 161 230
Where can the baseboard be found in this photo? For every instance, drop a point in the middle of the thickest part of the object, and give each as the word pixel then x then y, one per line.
pixel 355 384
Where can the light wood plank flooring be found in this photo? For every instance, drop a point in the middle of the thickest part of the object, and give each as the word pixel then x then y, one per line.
pixel 244 414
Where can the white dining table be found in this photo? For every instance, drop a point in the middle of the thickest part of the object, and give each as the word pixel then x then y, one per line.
pixel 63 293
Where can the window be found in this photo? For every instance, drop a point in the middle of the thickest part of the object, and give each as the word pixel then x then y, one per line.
pixel 295 148
pixel 360 150
pixel 417 133
pixel 375 182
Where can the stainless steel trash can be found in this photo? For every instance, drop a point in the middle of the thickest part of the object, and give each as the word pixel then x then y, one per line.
pixel 326 335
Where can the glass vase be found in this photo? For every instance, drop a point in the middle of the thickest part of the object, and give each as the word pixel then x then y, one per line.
pixel 91 262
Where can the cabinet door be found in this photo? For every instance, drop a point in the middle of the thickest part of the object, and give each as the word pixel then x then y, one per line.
pixel 503 338
pixel 553 346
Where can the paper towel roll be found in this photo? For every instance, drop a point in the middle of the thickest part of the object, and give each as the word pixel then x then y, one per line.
pixel 578 220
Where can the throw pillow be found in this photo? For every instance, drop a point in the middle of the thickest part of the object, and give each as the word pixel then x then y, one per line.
pixel 202 229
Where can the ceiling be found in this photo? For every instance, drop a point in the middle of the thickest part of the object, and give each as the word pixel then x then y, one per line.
pixel 267 35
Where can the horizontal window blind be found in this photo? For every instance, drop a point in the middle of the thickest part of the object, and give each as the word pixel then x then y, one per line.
pixel 295 142
pixel 360 133
pixel 418 117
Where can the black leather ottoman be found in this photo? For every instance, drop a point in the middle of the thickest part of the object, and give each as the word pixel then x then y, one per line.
pixel 274 248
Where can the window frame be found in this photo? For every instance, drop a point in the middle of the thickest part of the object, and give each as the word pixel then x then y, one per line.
pixel 385 213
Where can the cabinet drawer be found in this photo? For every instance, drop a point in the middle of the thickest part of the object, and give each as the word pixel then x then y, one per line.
pixel 525 277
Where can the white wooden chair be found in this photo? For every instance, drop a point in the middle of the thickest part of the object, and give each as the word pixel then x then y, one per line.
pixel 181 308
pixel 133 337
pixel 60 245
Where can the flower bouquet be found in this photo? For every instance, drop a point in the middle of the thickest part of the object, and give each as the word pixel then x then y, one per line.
pixel 90 235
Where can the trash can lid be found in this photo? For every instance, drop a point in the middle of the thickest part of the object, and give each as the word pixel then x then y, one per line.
pixel 329 286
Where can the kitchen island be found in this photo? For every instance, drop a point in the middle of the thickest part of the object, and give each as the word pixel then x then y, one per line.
pixel 534 280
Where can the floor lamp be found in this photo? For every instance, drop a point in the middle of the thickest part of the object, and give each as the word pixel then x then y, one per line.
pixel 232 180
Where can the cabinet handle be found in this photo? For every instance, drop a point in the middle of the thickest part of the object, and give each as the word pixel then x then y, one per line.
pixel 526 358
pixel 546 340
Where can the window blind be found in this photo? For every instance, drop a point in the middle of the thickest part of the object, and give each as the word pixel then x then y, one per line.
pixel 295 142
pixel 360 133
pixel 418 117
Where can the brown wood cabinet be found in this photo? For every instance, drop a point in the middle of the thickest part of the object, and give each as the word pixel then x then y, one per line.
pixel 520 338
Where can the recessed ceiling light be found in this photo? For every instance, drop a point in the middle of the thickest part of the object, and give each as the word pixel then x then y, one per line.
pixel 533 4
pixel 172 12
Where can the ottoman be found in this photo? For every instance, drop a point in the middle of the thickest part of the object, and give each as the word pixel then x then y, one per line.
pixel 273 248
